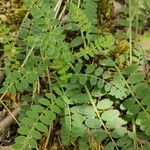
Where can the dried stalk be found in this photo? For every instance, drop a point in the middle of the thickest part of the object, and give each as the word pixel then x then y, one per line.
pixel 7 121
pixel 5 148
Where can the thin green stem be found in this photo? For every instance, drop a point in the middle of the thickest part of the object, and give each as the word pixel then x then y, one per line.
pixel 134 131
pixel 99 117
pixel 132 93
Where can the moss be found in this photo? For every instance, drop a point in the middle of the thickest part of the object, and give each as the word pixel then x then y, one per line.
pixel 12 12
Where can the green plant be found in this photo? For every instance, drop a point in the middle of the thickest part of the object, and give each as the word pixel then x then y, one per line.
pixel 133 20
pixel 137 17
pixel 87 89
pixel 7 48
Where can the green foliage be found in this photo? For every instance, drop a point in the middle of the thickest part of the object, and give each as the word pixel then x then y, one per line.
pixel 36 122
pixel 7 46
pixel 90 10
pixel 5 37
pixel 137 16
pixel 86 90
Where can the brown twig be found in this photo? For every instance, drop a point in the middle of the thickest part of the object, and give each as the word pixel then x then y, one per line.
pixel 7 121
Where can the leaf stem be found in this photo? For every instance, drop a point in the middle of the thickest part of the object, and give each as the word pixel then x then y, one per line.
pixel 99 117
pixel 132 93
pixel 27 57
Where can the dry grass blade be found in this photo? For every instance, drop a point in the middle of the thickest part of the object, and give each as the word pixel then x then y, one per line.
pixel 6 122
